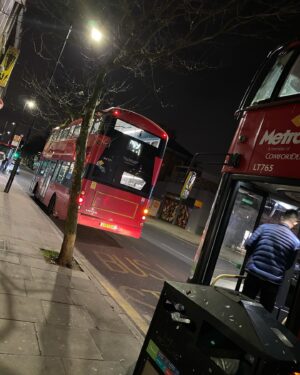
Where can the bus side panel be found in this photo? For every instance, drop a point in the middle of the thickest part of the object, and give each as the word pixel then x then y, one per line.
pixel 62 199
pixel 271 150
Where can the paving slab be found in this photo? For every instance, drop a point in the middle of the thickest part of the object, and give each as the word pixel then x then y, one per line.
pixel 74 273
pixel 102 313
pixel 81 284
pixel 45 276
pixel 12 286
pixel 23 246
pixel 9 257
pixel 116 346
pixel 67 315
pixel 80 367
pixel 47 291
pixel 15 271
pixel 35 262
pixel 30 365
pixel 21 308
pixel 69 343
pixel 18 338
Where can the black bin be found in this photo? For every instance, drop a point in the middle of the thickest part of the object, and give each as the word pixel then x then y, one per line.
pixel 209 330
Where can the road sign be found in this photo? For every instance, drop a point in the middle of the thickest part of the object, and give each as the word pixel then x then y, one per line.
pixel 188 185
pixel 16 140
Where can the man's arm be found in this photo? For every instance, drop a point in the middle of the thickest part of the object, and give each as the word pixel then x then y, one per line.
pixel 252 240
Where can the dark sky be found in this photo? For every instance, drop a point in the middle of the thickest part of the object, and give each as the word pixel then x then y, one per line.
pixel 200 105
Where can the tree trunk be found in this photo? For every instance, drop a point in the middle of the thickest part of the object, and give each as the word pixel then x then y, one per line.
pixel 66 252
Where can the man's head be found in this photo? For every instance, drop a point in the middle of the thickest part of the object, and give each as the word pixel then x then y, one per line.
pixel 290 218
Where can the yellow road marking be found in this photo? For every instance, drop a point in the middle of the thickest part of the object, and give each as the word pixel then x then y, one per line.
pixel 112 291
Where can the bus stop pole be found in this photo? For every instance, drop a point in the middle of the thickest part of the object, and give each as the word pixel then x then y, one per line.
pixel 12 176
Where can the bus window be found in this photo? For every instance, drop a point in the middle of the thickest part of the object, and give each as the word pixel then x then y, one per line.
pixel 76 131
pixel 137 133
pixel 57 168
pixel 43 167
pixel 68 176
pixel 49 168
pixel 62 172
pixel 65 133
pixel 291 85
pixel 71 135
pixel 96 126
pixel 59 136
pixel 54 135
pixel 266 89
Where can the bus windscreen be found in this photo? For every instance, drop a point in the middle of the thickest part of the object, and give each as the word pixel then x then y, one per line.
pixel 127 163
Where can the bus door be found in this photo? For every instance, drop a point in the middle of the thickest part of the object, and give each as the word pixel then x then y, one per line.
pixel 246 206
pixel 47 178
pixel 244 216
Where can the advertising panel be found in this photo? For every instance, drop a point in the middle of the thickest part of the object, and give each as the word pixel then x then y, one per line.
pixel 7 65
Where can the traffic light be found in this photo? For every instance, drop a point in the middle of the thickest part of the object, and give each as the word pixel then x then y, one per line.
pixel 16 155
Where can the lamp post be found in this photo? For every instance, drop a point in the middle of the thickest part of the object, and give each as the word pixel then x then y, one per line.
pixel 95 34
pixel 31 104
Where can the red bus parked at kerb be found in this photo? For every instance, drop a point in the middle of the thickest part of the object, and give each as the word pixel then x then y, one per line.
pixel 260 180
pixel 123 158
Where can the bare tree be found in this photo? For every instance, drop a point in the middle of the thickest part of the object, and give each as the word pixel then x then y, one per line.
pixel 141 36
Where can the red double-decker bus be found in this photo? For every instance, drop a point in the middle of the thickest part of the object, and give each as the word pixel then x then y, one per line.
pixel 260 179
pixel 123 158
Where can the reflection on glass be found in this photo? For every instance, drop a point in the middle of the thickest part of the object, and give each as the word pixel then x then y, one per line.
pixel 135 147
pixel 269 83
pixel 137 133
pixel 132 181
pixel 240 227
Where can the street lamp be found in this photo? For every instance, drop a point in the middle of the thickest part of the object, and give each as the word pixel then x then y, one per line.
pixel 30 103
pixel 96 34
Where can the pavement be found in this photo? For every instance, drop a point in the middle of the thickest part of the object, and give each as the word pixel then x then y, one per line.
pixel 54 320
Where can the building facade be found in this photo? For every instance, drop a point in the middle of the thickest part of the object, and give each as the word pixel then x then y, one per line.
pixel 11 17
pixel 191 213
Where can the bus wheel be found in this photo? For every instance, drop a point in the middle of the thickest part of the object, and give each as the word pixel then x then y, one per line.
pixel 51 205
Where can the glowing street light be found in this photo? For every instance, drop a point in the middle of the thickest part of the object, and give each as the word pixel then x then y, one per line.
pixel 31 104
pixel 96 34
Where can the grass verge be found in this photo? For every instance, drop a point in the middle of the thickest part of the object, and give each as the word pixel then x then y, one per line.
pixel 52 255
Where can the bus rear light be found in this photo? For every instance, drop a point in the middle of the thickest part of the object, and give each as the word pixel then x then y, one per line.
pixel 143 217
pixel 116 112
pixel 146 211
pixel 81 197
pixel 165 135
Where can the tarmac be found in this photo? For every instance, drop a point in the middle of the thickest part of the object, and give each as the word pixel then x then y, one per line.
pixel 54 320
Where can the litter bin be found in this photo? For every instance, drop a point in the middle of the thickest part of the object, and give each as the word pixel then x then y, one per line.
pixel 200 329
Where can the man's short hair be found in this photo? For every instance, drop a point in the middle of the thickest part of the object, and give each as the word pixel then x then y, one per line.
pixel 289 214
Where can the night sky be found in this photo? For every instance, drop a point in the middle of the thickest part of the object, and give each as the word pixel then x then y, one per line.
pixel 198 106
